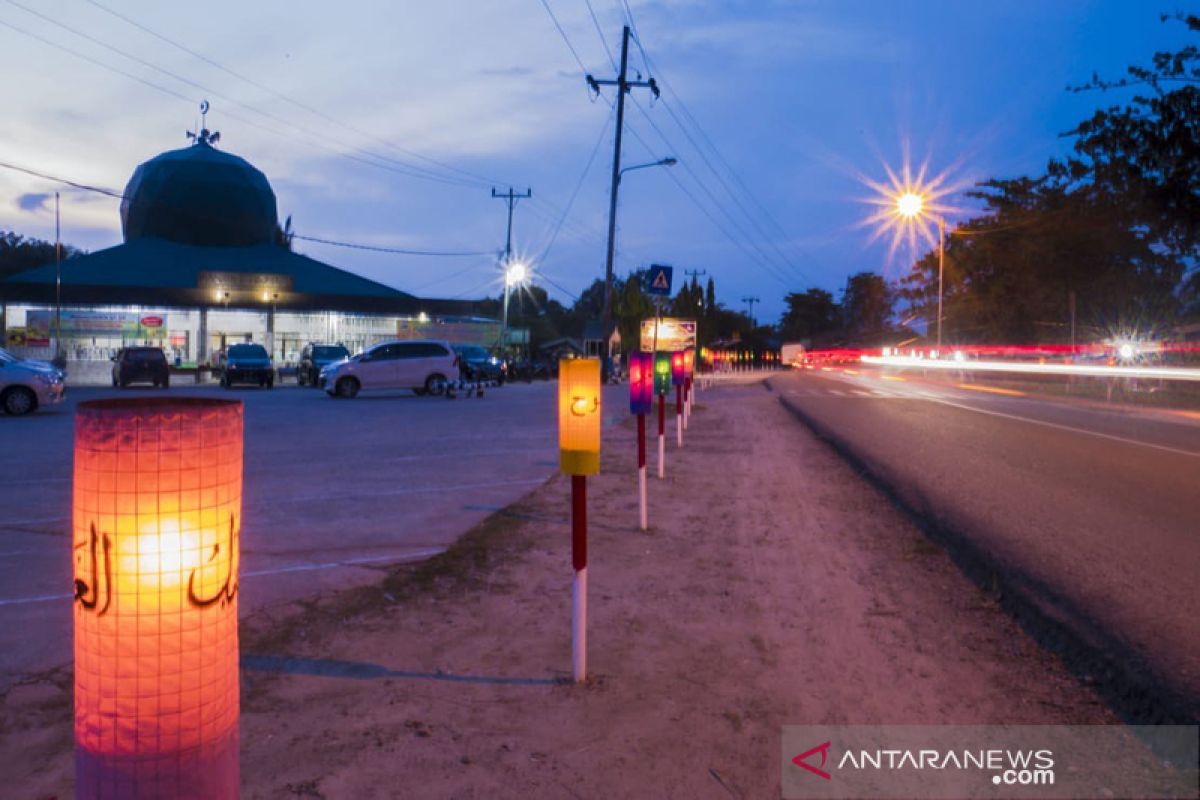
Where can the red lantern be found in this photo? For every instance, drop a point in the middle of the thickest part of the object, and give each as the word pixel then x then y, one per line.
pixel 678 375
pixel 641 383
pixel 689 362
pixel 157 515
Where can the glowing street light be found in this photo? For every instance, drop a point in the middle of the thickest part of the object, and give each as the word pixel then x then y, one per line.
pixel 516 273
pixel 907 205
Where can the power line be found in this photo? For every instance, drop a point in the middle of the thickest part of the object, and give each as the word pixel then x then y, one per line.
pixel 651 66
pixel 120 196
pixel 565 38
pixel 599 30
pixel 762 257
pixel 396 250
pixel 399 167
pixel 578 185
pixel 287 99
pixel 35 173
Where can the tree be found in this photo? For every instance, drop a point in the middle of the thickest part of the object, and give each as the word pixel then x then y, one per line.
pixel 1149 150
pixel 811 317
pixel 1116 226
pixel 18 253
pixel 867 304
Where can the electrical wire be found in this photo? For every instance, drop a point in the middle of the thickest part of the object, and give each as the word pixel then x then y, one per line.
pixel 578 185
pixel 599 30
pixel 481 179
pixel 392 164
pixel 35 173
pixel 563 34
pixel 396 250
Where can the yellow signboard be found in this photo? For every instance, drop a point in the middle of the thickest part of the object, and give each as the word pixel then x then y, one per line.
pixel 673 334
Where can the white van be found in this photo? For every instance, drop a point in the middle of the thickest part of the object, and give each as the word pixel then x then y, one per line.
pixel 423 365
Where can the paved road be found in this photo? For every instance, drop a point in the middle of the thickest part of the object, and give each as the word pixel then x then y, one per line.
pixel 1094 513
pixel 332 491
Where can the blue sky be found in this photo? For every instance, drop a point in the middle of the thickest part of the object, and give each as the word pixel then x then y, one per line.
pixel 799 99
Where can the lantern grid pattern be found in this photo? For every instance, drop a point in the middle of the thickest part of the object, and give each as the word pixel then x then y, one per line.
pixel 156 520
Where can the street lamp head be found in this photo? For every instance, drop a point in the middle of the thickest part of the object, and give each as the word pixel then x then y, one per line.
pixel 910 205
pixel 516 273
pixel 669 161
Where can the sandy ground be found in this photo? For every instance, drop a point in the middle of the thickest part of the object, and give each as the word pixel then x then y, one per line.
pixel 773 588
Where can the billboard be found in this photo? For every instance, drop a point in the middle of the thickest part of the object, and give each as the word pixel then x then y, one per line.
pixel 77 323
pixel 673 334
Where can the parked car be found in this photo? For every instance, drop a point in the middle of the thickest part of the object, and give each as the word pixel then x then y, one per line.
pixel 248 363
pixel 140 365
pixel 315 357
pixel 423 366
pixel 25 385
pixel 477 364
pixel 527 369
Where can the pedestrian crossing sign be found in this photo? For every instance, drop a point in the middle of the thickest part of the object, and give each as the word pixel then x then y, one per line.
pixel 658 280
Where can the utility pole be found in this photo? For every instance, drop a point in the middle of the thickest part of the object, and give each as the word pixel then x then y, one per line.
pixel 511 198
pixel 751 301
pixel 623 86
pixel 58 348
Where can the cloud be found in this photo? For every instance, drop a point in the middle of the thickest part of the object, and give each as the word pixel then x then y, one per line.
pixel 34 201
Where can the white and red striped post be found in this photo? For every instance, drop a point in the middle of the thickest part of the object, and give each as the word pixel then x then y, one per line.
pixel 662 447
pixel 579 588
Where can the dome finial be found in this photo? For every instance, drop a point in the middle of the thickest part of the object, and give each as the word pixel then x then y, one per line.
pixel 204 136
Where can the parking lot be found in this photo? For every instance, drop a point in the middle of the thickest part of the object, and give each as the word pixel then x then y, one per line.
pixel 333 490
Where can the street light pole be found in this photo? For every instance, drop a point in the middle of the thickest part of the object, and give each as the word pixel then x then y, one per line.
pixel 941 274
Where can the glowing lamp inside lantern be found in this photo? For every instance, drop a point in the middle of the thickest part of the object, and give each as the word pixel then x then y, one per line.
pixel 579 416
pixel 689 363
pixel 641 383
pixel 662 373
pixel 156 518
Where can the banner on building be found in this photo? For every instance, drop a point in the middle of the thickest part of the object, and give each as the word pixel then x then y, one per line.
pixel 483 333
pixel 77 323
pixel 673 334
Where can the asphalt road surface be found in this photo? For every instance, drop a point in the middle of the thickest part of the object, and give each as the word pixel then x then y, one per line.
pixel 333 491
pixel 1093 514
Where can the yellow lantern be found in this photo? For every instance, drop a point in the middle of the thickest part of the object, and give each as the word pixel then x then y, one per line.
pixel 579 416
pixel 156 518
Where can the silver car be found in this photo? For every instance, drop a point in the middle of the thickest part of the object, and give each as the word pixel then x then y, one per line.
pixel 25 385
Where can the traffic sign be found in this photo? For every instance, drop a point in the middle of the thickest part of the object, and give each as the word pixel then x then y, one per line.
pixel 658 280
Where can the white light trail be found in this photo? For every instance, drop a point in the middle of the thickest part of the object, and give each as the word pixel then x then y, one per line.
pixel 1090 370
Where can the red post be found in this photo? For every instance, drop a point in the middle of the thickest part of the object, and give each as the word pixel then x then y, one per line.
pixel 678 400
pixel 579 522
pixel 641 440
pixel 662 415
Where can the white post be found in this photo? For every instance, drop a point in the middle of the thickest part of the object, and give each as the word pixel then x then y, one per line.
pixel 642 495
pixel 662 456
pixel 579 626
pixel 679 429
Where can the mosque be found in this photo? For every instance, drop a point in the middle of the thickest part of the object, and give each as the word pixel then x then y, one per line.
pixel 204 264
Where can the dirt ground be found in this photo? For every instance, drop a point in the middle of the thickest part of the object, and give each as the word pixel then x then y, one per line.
pixel 774 587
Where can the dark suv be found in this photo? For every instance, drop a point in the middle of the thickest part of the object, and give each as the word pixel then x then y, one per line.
pixel 315 356
pixel 477 364
pixel 248 363
pixel 140 365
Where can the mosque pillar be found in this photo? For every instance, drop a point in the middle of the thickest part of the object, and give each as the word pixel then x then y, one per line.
pixel 202 338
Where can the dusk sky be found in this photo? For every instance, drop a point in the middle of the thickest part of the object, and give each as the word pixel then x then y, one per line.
pixel 799 99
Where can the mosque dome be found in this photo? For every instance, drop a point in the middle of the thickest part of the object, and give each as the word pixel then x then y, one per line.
pixel 199 195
